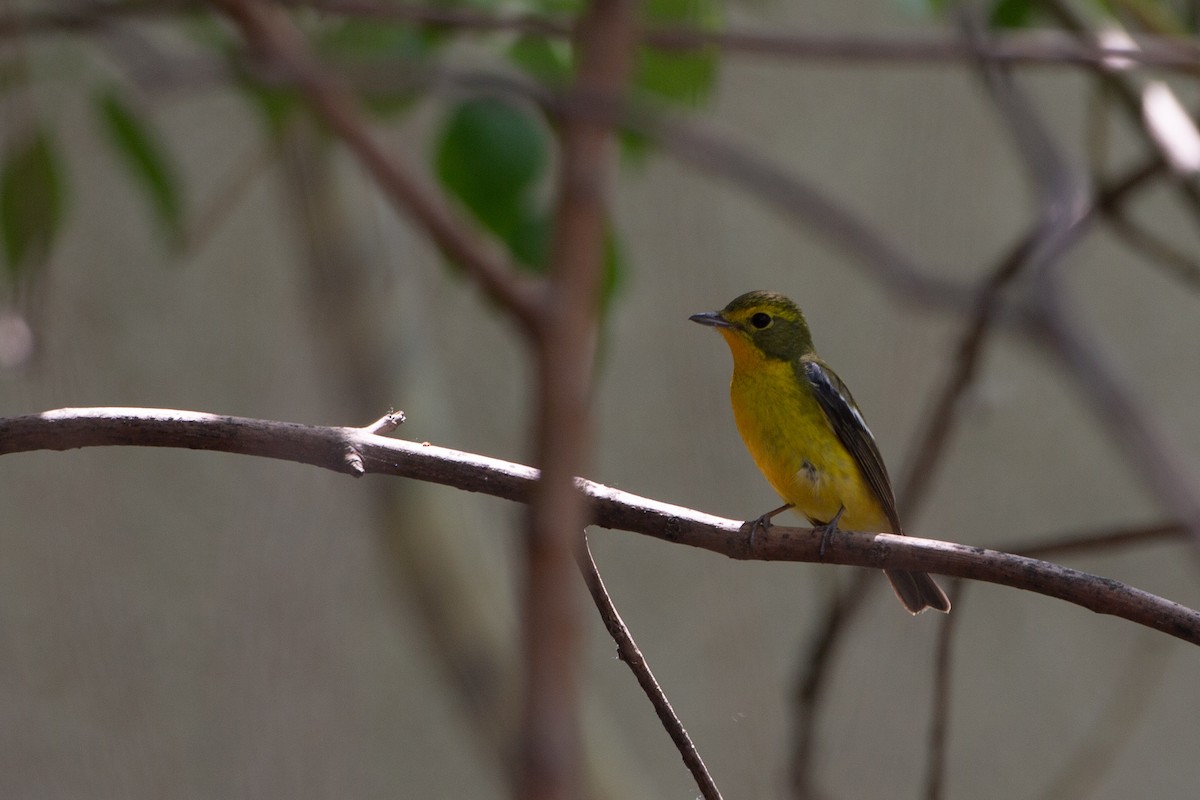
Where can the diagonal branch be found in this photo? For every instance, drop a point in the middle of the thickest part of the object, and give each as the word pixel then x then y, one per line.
pixel 631 654
pixel 273 36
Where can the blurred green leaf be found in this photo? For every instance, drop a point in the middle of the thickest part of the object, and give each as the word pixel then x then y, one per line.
pixel 147 162
pixel 614 269
pixel 685 76
pixel 490 155
pixel 277 105
pixel 1011 14
pixel 529 240
pixel 556 6
pixel 31 200
pixel 530 245
pixel 548 61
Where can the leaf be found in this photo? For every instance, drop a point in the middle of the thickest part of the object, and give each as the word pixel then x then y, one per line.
pixel 31 200
pixel 490 155
pixel 546 60
pixel 530 245
pixel 529 240
pixel 1011 14
pixel 147 162
pixel 681 77
pixel 614 269
pixel 557 6
pixel 277 104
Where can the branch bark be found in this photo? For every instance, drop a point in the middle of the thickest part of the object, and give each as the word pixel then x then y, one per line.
pixel 356 451
pixel 565 327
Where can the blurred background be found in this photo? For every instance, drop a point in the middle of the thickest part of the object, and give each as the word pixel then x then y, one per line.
pixel 191 625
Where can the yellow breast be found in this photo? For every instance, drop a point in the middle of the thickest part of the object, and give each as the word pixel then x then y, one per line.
pixel 793 444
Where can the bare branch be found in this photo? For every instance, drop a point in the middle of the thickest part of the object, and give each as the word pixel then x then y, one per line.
pixel 1161 253
pixel 272 35
pixel 803 202
pixel 1099 541
pixel 631 654
pixel 944 414
pixel 1032 48
pixel 67 429
pixel 565 344
pixel 1150 451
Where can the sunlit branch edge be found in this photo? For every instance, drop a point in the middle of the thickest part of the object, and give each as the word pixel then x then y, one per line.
pixel 358 451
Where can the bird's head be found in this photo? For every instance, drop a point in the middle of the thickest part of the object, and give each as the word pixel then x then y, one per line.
pixel 769 322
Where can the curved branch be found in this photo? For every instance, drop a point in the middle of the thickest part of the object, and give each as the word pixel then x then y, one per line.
pixel 356 451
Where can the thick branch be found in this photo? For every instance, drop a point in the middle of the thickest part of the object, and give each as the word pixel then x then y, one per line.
pixel 355 452
pixel 565 345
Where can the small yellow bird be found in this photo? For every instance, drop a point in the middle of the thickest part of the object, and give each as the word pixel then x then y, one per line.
pixel 805 432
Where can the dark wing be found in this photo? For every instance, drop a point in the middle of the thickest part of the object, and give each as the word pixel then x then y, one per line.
pixel 852 431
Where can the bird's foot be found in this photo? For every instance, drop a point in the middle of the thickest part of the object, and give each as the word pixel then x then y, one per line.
pixel 827 530
pixel 764 522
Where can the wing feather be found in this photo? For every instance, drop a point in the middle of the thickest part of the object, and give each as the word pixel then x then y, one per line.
pixel 852 431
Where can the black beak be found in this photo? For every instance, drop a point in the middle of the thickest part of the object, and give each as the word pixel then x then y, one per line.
pixel 712 319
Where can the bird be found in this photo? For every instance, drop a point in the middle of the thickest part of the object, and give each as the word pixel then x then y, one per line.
pixel 806 433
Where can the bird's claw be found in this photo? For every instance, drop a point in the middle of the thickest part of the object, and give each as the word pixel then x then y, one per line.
pixel 827 530
pixel 763 522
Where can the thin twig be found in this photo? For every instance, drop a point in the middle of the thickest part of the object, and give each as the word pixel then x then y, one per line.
pixel 802 202
pixel 66 429
pixel 946 409
pixel 1099 541
pixel 1174 260
pixel 1151 453
pixel 1033 48
pixel 631 654
pixel 1126 90
pixel 224 199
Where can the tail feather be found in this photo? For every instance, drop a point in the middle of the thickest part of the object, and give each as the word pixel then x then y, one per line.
pixel 917 591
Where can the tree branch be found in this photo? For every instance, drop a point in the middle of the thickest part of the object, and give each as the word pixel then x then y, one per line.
pixel 354 451
pixel 275 39
pixel 1032 48
pixel 564 347
pixel 631 654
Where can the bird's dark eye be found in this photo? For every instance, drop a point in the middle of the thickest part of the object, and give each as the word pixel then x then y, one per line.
pixel 760 320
